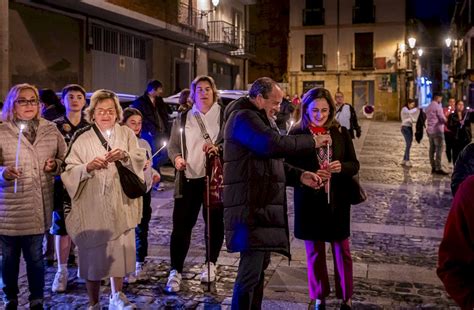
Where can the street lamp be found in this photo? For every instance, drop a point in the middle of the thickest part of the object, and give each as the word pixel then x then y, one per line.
pixel 215 3
pixel 448 42
pixel 420 52
pixel 411 42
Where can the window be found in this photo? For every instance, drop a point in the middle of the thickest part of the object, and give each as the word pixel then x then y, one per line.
pixel 314 57
pixel 313 14
pixel 307 85
pixel 363 47
pixel 363 12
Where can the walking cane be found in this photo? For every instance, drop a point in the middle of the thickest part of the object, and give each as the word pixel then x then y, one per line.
pixel 208 248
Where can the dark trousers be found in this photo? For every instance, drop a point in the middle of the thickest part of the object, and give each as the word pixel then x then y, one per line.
pixel 141 231
pixel 12 246
pixel 407 133
pixel 449 138
pixel 248 286
pixel 185 213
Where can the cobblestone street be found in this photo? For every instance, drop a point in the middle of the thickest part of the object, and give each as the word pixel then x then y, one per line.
pixel 395 239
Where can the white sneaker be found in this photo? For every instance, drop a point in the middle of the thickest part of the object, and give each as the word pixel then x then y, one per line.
pixel 408 164
pixel 212 273
pixel 174 282
pixel 118 301
pixel 94 307
pixel 60 282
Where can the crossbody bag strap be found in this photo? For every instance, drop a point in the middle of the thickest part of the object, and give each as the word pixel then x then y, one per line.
pixel 104 142
pixel 204 133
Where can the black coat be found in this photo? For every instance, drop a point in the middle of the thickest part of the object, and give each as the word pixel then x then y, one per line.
pixel 255 211
pixel 314 218
pixel 150 122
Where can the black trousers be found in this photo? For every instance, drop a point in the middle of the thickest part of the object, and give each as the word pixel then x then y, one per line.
pixel 141 231
pixel 449 139
pixel 248 286
pixel 185 213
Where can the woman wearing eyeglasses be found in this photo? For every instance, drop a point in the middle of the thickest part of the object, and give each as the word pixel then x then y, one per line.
pixel 26 213
pixel 102 219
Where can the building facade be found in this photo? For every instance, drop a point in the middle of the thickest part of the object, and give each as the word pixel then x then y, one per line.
pixel 352 46
pixel 120 45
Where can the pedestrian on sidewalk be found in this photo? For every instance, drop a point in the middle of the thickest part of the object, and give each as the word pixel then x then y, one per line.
pixel 320 217
pixel 103 218
pixel 456 254
pixel 448 134
pixel 255 176
pixel 346 116
pixel 133 118
pixel 26 190
pixel 459 123
pixel 190 182
pixel 435 120
pixel 409 116
pixel 73 97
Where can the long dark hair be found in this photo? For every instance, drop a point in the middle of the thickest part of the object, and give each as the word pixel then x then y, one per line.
pixel 308 98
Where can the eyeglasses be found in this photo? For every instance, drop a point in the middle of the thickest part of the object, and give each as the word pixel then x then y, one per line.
pixel 26 102
pixel 106 112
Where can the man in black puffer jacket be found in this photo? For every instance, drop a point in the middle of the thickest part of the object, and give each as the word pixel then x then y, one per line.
pixel 255 211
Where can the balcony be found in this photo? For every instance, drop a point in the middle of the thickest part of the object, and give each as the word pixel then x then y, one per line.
pixel 189 18
pixel 362 63
pixel 247 47
pixel 313 17
pixel 363 14
pixel 461 64
pixel 311 62
pixel 223 36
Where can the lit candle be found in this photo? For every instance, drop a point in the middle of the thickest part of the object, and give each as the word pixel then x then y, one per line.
pixel 465 115
pixel 17 157
pixel 108 133
pixel 159 150
pixel 181 139
pixel 289 128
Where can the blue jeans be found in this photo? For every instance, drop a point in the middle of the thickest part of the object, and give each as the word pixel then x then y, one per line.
pixel 407 133
pixel 32 248
pixel 156 142
pixel 436 148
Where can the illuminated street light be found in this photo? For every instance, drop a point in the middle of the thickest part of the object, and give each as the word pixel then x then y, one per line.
pixel 411 42
pixel 420 52
pixel 215 2
pixel 402 47
pixel 448 42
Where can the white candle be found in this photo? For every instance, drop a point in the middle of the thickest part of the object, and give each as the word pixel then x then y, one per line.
pixel 159 150
pixel 181 139
pixel 465 115
pixel 108 133
pixel 329 180
pixel 291 126
pixel 17 157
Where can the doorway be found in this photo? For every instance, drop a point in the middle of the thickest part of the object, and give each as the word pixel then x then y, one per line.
pixel 362 93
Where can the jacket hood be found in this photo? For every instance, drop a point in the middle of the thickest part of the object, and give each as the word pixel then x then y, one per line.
pixel 242 103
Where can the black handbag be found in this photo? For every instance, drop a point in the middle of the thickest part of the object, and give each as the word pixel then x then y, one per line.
pixel 358 194
pixel 131 184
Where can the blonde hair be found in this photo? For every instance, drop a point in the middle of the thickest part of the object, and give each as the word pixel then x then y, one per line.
pixel 99 96
pixel 8 111
pixel 203 78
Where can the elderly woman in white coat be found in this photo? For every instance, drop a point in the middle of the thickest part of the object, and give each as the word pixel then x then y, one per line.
pixel 102 218
pixel 26 213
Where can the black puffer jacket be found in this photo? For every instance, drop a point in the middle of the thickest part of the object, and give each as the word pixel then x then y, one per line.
pixel 464 167
pixel 255 212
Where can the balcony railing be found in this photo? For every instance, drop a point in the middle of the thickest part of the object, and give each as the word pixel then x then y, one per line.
pixel 313 17
pixel 247 45
pixel 222 35
pixel 311 63
pixel 363 14
pixel 362 63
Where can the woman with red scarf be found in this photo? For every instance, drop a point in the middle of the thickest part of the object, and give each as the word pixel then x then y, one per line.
pixel 324 215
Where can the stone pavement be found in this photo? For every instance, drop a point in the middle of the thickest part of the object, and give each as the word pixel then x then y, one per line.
pixel 395 238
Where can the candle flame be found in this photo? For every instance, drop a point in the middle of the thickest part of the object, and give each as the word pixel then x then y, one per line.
pixel 164 143
pixel 181 130
pixel 107 132
pixel 22 126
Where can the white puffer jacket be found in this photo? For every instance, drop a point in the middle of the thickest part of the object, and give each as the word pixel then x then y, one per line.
pixel 28 212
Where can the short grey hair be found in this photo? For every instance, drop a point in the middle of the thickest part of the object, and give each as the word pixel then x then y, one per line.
pixel 99 96
pixel 262 86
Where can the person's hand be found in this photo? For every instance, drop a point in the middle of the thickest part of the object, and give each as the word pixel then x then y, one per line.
pixel 114 155
pixel 311 179
pixel 210 148
pixel 322 140
pixel 10 173
pixel 97 164
pixel 324 174
pixel 179 163
pixel 335 166
pixel 50 165
pixel 358 133
pixel 156 179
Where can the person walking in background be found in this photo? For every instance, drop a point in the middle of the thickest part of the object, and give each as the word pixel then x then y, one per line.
pixel 284 115
pixel 190 182
pixel 346 116
pixel 26 190
pixel 104 234
pixel 409 115
pixel 435 120
pixel 255 176
pixel 133 118
pixel 184 101
pixel 317 219
pixel 459 124
pixel 448 134
pixel 51 106
pixel 74 99
pixel 456 254
pixel 155 126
